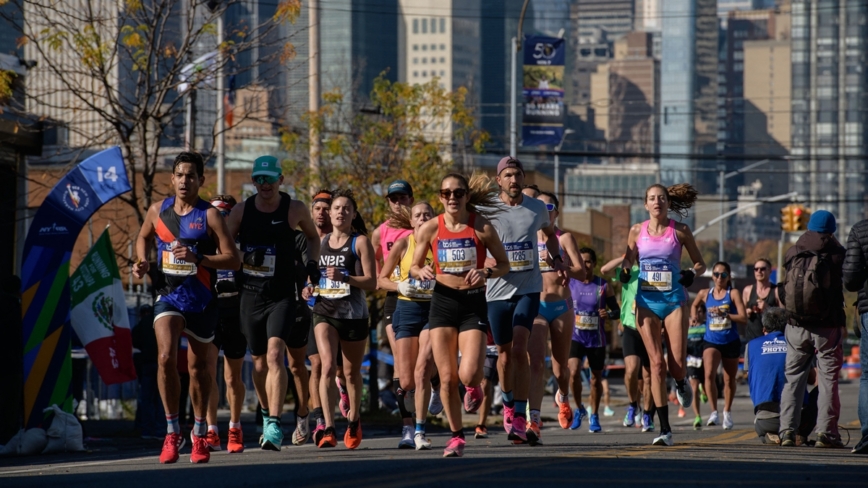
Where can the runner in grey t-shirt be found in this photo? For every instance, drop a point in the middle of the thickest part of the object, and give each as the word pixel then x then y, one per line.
pixel 513 300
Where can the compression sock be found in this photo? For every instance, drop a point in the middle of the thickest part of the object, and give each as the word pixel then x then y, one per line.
pixel 172 424
pixel 508 400
pixel 401 394
pixel 663 415
pixel 435 381
pixel 520 408
pixel 420 425
pixel 635 405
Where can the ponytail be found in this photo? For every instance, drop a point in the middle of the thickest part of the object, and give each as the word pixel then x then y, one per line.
pixel 484 193
pixel 400 219
pixel 681 197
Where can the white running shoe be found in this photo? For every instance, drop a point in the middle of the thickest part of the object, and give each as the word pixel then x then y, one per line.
pixel 407 441
pixel 685 396
pixel 727 420
pixel 422 442
pixel 713 419
pixel 663 440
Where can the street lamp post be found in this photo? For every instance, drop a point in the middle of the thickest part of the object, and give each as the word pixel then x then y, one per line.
pixel 516 47
pixel 723 176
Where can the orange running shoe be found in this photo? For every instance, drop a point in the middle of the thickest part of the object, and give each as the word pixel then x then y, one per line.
pixel 328 438
pixel 201 453
pixel 565 415
pixel 353 437
pixel 213 441
pixel 236 441
pixel 534 437
pixel 171 445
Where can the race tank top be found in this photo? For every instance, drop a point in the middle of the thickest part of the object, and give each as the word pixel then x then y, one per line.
pixel 421 289
pixel 660 265
pixel 543 253
pixel 337 299
pixel 588 299
pixel 389 236
pixel 458 252
pixel 270 235
pixel 187 286
pixel 719 329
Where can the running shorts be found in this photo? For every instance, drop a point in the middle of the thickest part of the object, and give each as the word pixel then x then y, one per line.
pixel 552 310
pixel 389 306
pixel 460 309
pixel 200 326
pixel 596 355
pixel 730 350
pixel 350 330
pixel 516 311
pixel 632 345
pixel 228 334
pixel 263 318
pixel 410 318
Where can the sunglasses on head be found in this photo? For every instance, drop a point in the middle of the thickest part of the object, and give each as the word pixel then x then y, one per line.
pixel 458 193
pixel 551 206
pixel 263 179
pixel 396 197
pixel 760 268
pixel 720 275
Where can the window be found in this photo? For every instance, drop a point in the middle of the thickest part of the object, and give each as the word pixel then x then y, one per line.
pixel 415 74
pixel 433 60
pixel 424 26
pixel 442 73
pixel 424 47
pixel 415 27
pixel 442 25
pixel 424 74
pixel 433 47
pixel 433 26
pixel 415 60
pixel 424 60
pixel 442 47
pixel 442 60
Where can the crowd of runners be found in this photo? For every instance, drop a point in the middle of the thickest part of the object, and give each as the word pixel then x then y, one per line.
pixel 476 295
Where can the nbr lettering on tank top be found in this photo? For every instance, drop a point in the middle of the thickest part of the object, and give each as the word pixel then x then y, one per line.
pixel 655 277
pixel 331 260
pixel 587 320
pixel 269 262
pixel 174 266
pixel 456 255
pixel 520 255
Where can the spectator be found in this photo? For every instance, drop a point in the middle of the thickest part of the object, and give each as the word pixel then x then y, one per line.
pixel 766 357
pixel 149 411
pixel 856 279
pixel 813 295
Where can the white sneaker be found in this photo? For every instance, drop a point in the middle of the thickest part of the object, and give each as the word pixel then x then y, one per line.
pixel 727 420
pixel 685 396
pixel 713 419
pixel 663 440
pixel 422 442
pixel 407 438
pixel 410 401
pixel 435 405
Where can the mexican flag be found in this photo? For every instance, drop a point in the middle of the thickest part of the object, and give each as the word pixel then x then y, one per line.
pixel 99 313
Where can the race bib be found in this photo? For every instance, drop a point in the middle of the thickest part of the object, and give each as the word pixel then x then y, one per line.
pixel 543 252
pixel 456 256
pixel 332 289
pixel 396 274
pixel 520 255
pixel 655 277
pixel 694 362
pixel 719 323
pixel 176 267
pixel 226 281
pixel 421 288
pixel 586 321
pixel 266 269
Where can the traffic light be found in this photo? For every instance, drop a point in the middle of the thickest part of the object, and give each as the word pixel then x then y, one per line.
pixel 788 219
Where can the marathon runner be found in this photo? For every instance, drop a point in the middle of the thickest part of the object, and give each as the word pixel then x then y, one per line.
pixel 656 245
pixel 514 300
pixel 265 226
pixel 410 318
pixel 758 297
pixel 192 242
pixel 724 308
pixel 593 302
pixel 695 371
pixel 341 312
pixel 458 240
pixel 228 337
pixel 555 314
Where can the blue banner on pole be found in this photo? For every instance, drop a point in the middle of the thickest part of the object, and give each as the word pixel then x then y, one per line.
pixel 543 91
pixel 45 277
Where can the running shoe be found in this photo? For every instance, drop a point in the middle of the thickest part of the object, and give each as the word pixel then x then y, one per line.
pixel 472 398
pixel 727 420
pixel 508 416
pixel 318 432
pixel 201 452
pixel 302 432
pixel 213 441
pixel 861 447
pixel 630 418
pixel 327 438
pixel 481 432
pixel 594 424
pixel 828 441
pixel 788 438
pixel 171 445
pixel 435 405
pixel 713 419
pixel 518 432
pixel 422 443
pixel 534 437
pixel 647 423
pixel 685 395
pixel 353 436
pixel 344 403
pixel 771 438
pixel 272 437
pixel 663 440
pixel 681 413
pixel 565 415
pixel 407 441
pixel 578 416
pixel 236 441
pixel 702 395
pixel 697 423
pixel 454 448
pixel 608 412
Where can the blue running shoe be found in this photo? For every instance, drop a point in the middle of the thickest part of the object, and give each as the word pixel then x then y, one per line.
pixel 647 423
pixel 594 424
pixel 630 418
pixel 272 437
pixel 578 416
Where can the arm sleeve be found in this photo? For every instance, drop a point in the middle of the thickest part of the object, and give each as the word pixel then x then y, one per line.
pixel 614 308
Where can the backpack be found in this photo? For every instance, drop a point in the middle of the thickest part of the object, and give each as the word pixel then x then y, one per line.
pixel 807 279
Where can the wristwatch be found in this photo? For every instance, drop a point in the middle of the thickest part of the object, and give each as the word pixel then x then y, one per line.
pixel 345 278
pixel 488 273
pixel 199 257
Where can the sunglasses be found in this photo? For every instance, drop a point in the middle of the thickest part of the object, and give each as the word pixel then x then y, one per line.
pixel 720 275
pixel 458 193
pixel 397 197
pixel 763 269
pixel 551 206
pixel 263 179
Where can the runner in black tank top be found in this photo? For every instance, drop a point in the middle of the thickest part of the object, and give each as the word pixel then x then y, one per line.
pixel 754 304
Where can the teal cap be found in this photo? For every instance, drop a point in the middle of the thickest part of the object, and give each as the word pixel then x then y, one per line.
pixel 266 166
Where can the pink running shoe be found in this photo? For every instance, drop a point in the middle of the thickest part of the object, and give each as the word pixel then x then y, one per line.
pixel 344 403
pixel 472 398
pixel 508 415
pixel 454 448
pixel 518 434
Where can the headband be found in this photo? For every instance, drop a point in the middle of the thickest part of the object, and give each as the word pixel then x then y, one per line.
pixel 322 197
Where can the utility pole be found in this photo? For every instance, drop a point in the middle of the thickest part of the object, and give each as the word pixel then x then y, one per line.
pixel 513 76
pixel 221 116
pixel 314 90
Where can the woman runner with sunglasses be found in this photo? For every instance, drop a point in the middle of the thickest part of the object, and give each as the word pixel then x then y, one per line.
pixel 724 307
pixel 758 297
pixel 458 321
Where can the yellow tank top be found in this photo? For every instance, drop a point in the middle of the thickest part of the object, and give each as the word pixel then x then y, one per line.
pixel 422 289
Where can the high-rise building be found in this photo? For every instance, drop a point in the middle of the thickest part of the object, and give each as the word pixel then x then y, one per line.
pixel 615 17
pixel 11 15
pixel 829 44
pixel 688 92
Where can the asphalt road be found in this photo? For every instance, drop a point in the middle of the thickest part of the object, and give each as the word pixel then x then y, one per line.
pixel 618 456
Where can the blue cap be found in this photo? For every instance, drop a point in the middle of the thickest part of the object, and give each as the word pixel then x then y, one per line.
pixel 400 186
pixel 823 221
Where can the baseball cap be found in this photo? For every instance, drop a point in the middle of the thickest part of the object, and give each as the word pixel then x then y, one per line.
pixel 266 166
pixel 400 186
pixel 509 162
